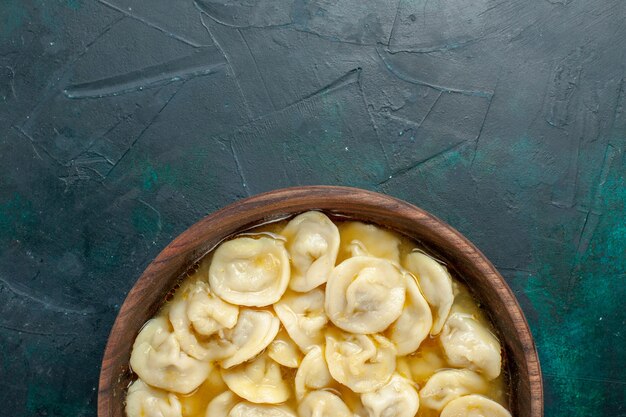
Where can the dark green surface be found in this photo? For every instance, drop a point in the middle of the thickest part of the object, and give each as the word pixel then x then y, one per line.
pixel 122 122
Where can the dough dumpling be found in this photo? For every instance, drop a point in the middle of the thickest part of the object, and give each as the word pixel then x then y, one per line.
pixel 468 344
pixel 159 360
pixel 208 313
pixel 250 272
pixel 197 311
pixel 221 405
pixel 303 316
pixel 474 406
pixel 424 363
pixel 361 362
pixel 403 367
pixel 313 373
pixel 323 404
pixel 284 350
pixel 258 381
pixel 450 384
pixel 358 239
pixel 415 321
pixel 227 404
pixel 365 294
pixel 436 286
pixel 313 243
pixel 145 401
pixel 246 409
pixel 254 331
pixel 398 398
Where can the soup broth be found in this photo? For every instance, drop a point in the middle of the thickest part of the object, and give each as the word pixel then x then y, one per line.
pixel 356 239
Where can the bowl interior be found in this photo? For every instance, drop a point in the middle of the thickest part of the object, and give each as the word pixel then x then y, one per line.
pixel 468 264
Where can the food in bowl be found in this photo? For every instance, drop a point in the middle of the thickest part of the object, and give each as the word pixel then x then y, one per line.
pixel 315 317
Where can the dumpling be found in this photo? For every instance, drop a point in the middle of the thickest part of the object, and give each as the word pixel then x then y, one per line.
pixel 361 362
pixel 449 384
pixel 313 243
pixel 474 406
pixel 195 404
pixel 158 359
pixel 145 401
pixel 258 381
pixel 398 398
pixel 424 363
pixel 250 272
pixel 303 317
pixel 228 404
pixel 313 373
pixel 197 310
pixel 323 404
pixel 365 294
pixel 415 321
pixel 358 239
pixel 253 332
pixel 284 350
pixel 357 248
pixel 403 367
pixel 221 405
pixel 208 313
pixel 469 344
pixel 246 409
pixel 436 285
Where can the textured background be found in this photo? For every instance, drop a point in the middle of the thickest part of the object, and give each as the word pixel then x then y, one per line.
pixel 122 122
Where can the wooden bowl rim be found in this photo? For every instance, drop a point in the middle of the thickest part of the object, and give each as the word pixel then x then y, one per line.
pixel 302 197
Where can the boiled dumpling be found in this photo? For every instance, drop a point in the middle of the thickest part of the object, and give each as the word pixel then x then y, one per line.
pixel 313 243
pixel 208 313
pixel 398 398
pixel 313 373
pixel 145 401
pixel 363 363
pixel 469 344
pixel 258 381
pixel 250 272
pixel 414 323
pixel 221 405
pixel 357 248
pixel 365 294
pixel 424 363
pixel 358 239
pixel 158 359
pixel 284 350
pixel 303 317
pixel 246 409
pixel 474 406
pixel 323 404
pixel 449 384
pixel 197 310
pixel 253 332
pixel 403 367
pixel 436 285
pixel 227 404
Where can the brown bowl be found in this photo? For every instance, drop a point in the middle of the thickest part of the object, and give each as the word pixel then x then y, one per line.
pixel 488 286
